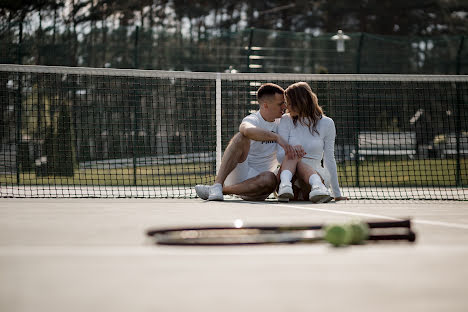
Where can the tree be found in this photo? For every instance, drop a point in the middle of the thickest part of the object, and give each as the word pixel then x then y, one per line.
pixel 394 17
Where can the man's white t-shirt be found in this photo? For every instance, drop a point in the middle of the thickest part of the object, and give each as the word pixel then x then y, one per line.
pixel 262 155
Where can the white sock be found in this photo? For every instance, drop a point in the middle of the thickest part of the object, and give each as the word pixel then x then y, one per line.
pixel 286 177
pixel 315 180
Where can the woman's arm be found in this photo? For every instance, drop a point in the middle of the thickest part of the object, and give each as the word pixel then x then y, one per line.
pixel 329 159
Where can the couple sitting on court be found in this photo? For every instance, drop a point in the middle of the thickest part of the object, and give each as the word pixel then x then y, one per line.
pixel 298 140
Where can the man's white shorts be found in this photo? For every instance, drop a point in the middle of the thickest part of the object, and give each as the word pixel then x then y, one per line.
pixel 244 172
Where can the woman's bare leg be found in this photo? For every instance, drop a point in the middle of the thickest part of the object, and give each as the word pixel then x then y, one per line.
pixel 285 177
pixel 318 193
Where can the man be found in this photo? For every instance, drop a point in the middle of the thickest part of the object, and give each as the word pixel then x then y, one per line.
pixel 249 162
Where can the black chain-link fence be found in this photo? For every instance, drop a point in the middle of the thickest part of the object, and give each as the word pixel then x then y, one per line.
pixel 250 50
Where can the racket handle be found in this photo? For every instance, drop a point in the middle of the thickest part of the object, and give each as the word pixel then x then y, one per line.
pixel 410 236
pixel 388 224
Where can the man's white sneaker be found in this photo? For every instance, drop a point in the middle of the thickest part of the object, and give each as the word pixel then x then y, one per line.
pixel 216 192
pixel 285 192
pixel 319 194
pixel 203 191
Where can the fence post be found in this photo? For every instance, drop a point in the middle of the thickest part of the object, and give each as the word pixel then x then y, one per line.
pixel 249 49
pixel 358 113
pixel 19 106
pixel 357 130
pixel 135 51
pixel 459 52
pixel 358 53
pixel 458 112
pixel 134 143
pixel 19 53
pixel 458 131
pixel 18 130
pixel 135 111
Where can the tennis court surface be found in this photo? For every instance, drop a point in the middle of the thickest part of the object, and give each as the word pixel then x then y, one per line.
pixel 92 255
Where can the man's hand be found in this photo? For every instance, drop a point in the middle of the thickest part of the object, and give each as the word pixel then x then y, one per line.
pixel 258 134
pixel 292 152
pixel 288 149
pixel 299 151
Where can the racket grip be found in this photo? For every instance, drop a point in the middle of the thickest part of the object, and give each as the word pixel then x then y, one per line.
pixel 410 236
pixel 389 224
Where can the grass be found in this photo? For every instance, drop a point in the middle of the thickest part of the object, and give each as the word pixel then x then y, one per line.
pixel 421 172
pixel 432 172
pixel 165 175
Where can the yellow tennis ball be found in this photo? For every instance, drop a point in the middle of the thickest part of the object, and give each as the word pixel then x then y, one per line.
pixel 359 232
pixel 337 235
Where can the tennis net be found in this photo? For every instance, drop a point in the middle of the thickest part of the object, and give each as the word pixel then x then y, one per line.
pixel 87 132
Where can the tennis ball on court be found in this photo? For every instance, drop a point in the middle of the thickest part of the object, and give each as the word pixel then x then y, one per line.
pixel 359 232
pixel 337 235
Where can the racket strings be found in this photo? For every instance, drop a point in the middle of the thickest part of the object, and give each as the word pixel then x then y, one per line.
pixel 235 236
pixel 374 231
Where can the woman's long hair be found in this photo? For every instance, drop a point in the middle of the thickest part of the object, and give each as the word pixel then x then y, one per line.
pixel 303 101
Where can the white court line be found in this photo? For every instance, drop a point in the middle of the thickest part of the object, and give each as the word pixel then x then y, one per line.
pixel 446 224
pixel 427 222
pixel 345 212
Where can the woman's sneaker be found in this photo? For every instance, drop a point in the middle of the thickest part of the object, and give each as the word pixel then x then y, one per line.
pixel 285 192
pixel 319 194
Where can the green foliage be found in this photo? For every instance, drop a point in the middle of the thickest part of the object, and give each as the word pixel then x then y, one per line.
pixel 47 124
pixel 212 35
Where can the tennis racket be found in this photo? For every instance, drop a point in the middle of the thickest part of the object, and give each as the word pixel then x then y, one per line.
pixel 254 235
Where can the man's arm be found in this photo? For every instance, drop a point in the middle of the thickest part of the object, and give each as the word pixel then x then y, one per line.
pixel 258 134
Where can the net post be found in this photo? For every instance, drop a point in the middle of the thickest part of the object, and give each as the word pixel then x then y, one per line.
pixel 218 122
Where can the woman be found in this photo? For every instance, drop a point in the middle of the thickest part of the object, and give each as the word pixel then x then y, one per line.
pixel 313 135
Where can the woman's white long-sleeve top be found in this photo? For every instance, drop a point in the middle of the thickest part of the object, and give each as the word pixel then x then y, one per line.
pixel 316 145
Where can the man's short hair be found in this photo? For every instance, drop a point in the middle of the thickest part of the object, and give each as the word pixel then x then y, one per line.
pixel 269 89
